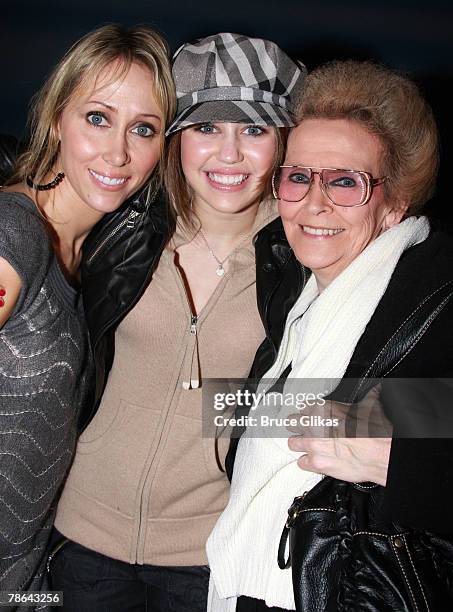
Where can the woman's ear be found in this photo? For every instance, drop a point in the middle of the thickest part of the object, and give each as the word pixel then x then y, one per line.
pixel 56 129
pixel 395 215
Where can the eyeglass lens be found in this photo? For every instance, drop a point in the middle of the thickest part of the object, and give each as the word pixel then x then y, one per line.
pixel 343 187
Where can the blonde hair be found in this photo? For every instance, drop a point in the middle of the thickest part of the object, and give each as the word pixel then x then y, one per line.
pixel 179 192
pixel 97 50
pixel 389 106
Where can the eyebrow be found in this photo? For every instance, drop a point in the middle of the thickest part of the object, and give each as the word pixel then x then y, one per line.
pixel 113 109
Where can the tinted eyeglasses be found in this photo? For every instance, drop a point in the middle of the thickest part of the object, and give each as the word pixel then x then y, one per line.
pixel 341 187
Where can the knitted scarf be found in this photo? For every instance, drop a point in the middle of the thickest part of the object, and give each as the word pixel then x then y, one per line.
pixel 320 336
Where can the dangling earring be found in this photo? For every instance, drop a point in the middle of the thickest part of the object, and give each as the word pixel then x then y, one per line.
pixel 45 186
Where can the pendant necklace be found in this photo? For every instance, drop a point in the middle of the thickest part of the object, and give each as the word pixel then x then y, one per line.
pixel 220 270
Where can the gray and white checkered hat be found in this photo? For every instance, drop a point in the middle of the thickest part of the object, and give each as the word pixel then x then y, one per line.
pixel 234 78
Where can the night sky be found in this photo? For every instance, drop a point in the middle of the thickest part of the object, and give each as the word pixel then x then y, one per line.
pixel 413 36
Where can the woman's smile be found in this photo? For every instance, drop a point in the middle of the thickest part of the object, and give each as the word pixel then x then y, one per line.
pixel 226 180
pixel 107 181
pixel 321 232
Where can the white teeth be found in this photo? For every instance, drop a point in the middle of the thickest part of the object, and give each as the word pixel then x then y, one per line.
pixel 227 179
pixel 106 180
pixel 317 231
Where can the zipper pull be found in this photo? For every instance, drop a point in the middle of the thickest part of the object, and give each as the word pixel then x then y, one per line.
pixel 192 379
pixel 131 219
pixel 294 510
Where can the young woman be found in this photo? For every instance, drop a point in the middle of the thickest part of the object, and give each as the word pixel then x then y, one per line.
pixel 146 489
pixel 97 132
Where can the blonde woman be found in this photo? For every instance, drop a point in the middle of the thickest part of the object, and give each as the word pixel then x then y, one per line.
pixel 97 132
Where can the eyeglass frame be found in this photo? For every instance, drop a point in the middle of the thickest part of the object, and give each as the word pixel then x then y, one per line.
pixel 370 181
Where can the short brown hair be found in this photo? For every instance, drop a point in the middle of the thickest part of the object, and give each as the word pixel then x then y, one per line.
pixel 389 106
pixel 179 193
pixel 84 60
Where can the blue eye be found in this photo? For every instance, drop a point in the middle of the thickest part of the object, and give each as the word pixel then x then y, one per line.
pixel 206 128
pixel 344 181
pixel 97 119
pixel 254 130
pixel 144 130
pixel 299 177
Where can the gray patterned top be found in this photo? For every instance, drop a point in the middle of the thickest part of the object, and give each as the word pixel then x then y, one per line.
pixel 44 370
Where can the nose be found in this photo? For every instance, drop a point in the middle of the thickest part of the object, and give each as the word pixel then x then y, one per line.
pixel 316 201
pixel 117 152
pixel 230 149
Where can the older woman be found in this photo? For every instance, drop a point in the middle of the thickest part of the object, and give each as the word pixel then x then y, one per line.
pixel 98 126
pixel 359 167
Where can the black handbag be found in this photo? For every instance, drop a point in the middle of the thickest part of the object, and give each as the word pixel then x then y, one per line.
pixel 345 558
pixel 343 555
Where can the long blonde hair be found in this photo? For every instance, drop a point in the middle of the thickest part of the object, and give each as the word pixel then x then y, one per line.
pixel 110 44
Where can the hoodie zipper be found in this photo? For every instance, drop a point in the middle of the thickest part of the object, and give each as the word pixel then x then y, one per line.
pixel 139 537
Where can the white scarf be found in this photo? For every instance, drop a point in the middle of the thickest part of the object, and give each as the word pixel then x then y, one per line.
pixel 242 549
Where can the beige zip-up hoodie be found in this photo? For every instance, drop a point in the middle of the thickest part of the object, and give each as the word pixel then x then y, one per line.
pixel 145 486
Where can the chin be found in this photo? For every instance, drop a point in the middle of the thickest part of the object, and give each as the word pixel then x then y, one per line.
pixel 228 207
pixel 312 260
pixel 107 206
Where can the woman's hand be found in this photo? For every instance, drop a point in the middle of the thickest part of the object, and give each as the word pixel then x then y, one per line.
pixel 356 449
pixel 350 459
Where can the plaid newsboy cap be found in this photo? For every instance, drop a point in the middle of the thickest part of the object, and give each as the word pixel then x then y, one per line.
pixel 234 78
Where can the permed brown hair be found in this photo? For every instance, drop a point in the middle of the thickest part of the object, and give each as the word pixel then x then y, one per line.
pixel 389 106
pixel 179 192
pixel 97 50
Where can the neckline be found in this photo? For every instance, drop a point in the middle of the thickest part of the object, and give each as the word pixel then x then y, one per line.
pixel 267 212
pixel 204 311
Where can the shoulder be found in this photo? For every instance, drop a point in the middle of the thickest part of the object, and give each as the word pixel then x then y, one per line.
pixel 17 212
pixel 433 256
pixel 22 229
pixel 411 330
pixel 25 247
pixel 422 270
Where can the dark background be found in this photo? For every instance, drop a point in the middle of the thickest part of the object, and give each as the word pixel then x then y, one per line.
pixel 411 36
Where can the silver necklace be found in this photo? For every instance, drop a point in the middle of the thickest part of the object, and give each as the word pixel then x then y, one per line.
pixel 220 270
